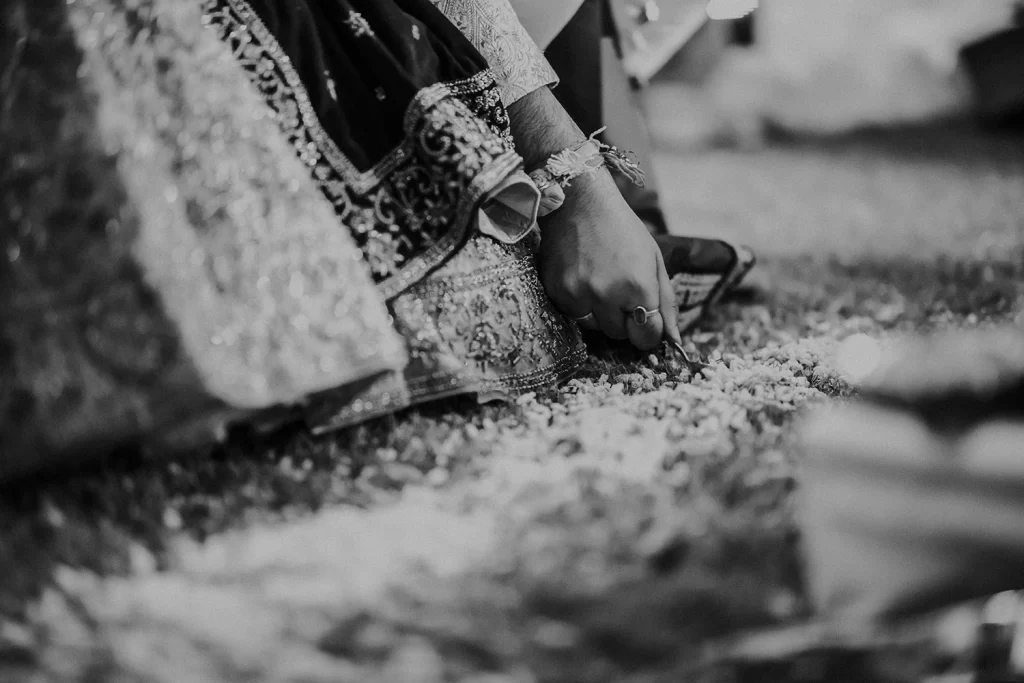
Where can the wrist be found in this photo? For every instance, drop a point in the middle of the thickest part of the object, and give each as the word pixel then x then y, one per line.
pixel 541 128
pixel 586 158
pixel 585 191
pixel 586 188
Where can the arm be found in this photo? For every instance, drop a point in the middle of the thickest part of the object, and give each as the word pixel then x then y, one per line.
pixel 596 255
pixel 541 127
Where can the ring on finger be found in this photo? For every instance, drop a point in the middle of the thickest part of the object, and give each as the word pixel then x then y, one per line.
pixel 641 315
pixel 586 318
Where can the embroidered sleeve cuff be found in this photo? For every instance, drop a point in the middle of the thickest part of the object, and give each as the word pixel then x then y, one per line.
pixel 494 29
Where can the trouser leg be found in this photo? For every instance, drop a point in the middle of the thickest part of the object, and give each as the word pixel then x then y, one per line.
pixel 596 92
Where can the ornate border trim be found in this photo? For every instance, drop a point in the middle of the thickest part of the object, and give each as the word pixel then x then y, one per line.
pixel 423 263
pixel 361 182
pixel 239 19
pixel 444 387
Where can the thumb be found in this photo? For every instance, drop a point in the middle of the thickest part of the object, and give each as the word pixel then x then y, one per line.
pixel 669 305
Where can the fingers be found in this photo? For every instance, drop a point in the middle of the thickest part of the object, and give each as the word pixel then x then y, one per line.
pixel 611 321
pixel 572 299
pixel 610 306
pixel 669 304
pixel 647 335
pixel 617 305
pixel 653 293
pixel 588 322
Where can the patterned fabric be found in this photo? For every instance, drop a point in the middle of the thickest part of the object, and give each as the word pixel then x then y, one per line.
pixel 480 324
pixel 494 29
pixel 408 184
pixel 399 121
pixel 545 19
pixel 168 265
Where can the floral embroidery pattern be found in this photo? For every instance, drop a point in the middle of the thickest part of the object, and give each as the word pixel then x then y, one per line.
pixel 411 210
pixel 480 323
pixel 359 25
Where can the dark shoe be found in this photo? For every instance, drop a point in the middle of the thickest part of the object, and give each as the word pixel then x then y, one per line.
pixel 704 270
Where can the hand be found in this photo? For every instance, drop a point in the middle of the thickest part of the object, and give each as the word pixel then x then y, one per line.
pixel 597 257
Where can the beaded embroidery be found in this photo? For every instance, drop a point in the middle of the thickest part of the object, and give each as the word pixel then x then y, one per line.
pixel 409 211
pixel 168 266
pixel 481 323
pixel 359 25
pixel 474 318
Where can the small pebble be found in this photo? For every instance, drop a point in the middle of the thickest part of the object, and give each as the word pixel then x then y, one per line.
pixel 172 519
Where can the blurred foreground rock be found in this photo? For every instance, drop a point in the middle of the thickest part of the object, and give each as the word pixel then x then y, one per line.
pixel 166 263
pixel 913 500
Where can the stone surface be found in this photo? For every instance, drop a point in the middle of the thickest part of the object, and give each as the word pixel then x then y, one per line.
pixel 166 260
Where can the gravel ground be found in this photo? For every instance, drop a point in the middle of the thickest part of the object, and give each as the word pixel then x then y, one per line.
pixel 602 531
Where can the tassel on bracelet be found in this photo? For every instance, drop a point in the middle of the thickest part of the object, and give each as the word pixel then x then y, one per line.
pixel 585 157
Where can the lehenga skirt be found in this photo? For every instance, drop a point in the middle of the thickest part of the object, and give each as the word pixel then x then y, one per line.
pixel 400 122
pixel 213 211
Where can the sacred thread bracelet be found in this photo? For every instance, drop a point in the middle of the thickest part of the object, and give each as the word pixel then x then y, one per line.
pixel 562 168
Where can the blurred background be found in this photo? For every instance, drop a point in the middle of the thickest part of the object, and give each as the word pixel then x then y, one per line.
pixel 850 123
pixel 813 66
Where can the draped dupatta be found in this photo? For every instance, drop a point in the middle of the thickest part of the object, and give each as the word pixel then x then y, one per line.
pixel 171 268
pixel 401 122
pixel 392 110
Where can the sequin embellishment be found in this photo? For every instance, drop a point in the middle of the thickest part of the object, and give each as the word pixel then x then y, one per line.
pixel 331 86
pixel 359 25
pixel 167 266
pixel 482 324
pixel 457 147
